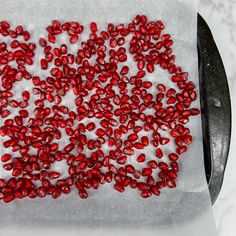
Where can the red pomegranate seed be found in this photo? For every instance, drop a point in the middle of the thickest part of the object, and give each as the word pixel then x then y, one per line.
pixel 93 26
pixel 119 188
pixel 53 175
pixel 74 38
pixel 150 67
pixel 83 194
pixel 130 169
pixel 146 193
pixel 5 157
pixel 128 151
pixel 44 64
pixel 141 157
pixel 155 190
pixel 159 153
pixel 171 183
pixel 133 137
pixel 147 171
pixel 173 156
pixel 181 149
pixel 152 164
pixel 163 166
pixel 8 198
pixel 122 160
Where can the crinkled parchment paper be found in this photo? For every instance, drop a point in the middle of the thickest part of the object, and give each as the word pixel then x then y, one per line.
pixel 183 211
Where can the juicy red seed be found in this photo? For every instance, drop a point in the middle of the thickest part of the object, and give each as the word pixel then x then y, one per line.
pixel 130 169
pixel 128 151
pixel 155 190
pixel 163 166
pixel 159 153
pixel 172 174
pixel 24 113
pixel 139 145
pixel 152 164
pixel 90 126
pixel 164 141
pixel 173 156
pixel 147 171
pixel 133 137
pixel 74 38
pixel 54 175
pixel 150 67
pixel 119 188
pixel 93 26
pixel 181 149
pixel 8 198
pixel 146 193
pixel 171 183
pixel 161 88
pixel 187 139
pixel 141 158
pixel 44 64
pixel 26 95
pixel 83 194
pixel 122 160
pixel 124 70
pixel 5 157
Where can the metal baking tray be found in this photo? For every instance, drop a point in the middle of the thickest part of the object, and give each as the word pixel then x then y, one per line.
pixel 215 108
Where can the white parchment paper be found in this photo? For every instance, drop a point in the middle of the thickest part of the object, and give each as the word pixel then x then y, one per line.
pixel 183 211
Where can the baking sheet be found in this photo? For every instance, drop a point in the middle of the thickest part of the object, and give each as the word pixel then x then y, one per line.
pixel 182 211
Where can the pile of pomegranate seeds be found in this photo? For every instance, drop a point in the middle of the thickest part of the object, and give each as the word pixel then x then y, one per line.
pixel 119 124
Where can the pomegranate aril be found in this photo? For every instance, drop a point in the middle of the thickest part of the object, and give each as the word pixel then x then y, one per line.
pixel 5 157
pixel 147 171
pixel 146 193
pixel 8 198
pixel 159 153
pixel 93 26
pixel 173 156
pixel 141 158
pixel 54 175
pixel 119 188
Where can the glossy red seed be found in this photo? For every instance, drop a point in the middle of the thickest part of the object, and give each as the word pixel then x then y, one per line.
pixel 93 26
pixel 5 157
pixel 141 157
pixel 155 190
pixel 159 153
pixel 133 137
pixel 128 151
pixel 122 160
pixel 187 139
pixel 150 67
pixel 152 164
pixel 163 166
pixel 146 193
pixel 173 156
pixel 119 188
pixel 146 171
pixel 8 198
pixel 181 149
pixel 44 64
pixel 171 183
pixel 83 194
pixel 130 169
pixel 74 38
pixel 54 175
